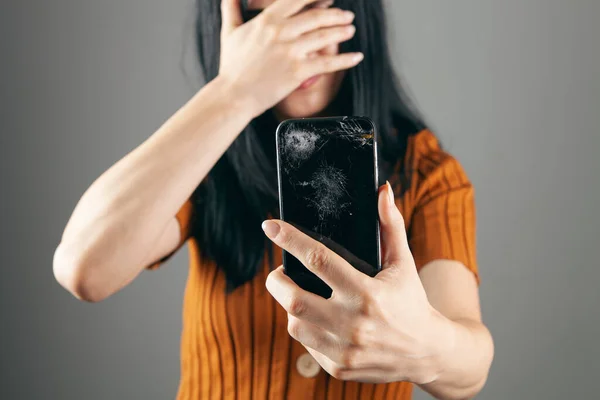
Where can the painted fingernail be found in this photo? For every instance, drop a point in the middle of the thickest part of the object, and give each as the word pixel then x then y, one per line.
pixel 390 193
pixel 270 228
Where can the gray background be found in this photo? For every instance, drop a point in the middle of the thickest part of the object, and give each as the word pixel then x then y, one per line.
pixel 511 86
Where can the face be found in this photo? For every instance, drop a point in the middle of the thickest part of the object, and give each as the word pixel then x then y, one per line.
pixel 314 96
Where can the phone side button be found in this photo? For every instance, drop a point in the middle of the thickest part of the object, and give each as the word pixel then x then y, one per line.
pixel 307 366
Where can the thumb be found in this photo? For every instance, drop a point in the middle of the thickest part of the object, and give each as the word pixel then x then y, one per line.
pixel 231 16
pixel 395 249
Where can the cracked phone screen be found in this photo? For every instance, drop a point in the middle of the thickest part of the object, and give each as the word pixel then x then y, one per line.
pixel 327 170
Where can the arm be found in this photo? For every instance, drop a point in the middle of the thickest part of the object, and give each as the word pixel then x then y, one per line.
pixel 135 201
pixel 443 243
pixel 124 221
pixel 386 329
pixel 452 290
pixel 400 325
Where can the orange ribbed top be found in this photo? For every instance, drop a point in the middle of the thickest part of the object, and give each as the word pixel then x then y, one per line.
pixel 237 346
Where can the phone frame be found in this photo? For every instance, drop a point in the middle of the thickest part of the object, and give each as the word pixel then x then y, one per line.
pixel 282 125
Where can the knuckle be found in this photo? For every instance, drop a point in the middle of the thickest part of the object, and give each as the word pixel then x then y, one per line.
pixel 322 34
pixel 271 30
pixel 363 302
pixel 371 298
pixel 377 302
pixel 291 52
pixel 284 237
pixel 362 334
pixel 365 305
pixel 357 335
pixel 398 219
pixel 338 372
pixel 266 17
pixel 316 14
pixel 350 358
pixel 296 306
pixel 317 259
pixel 294 328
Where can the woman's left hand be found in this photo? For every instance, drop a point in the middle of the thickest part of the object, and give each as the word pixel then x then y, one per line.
pixel 376 330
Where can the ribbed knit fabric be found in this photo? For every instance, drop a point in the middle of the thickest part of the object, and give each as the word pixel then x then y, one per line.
pixel 237 346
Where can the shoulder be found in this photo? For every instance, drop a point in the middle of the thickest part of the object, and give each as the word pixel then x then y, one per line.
pixel 428 171
pixel 430 164
pixel 438 205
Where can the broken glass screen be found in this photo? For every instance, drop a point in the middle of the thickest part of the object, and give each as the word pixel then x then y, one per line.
pixel 327 171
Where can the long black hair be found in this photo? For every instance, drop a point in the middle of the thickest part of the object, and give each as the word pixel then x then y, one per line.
pixel 241 189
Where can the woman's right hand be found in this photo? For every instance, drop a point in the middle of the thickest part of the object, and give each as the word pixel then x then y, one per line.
pixel 268 57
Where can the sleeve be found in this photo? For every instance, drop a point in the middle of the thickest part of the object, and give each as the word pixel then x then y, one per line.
pixel 443 220
pixel 184 218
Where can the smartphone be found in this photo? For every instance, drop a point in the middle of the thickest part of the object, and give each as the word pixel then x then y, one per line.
pixel 328 184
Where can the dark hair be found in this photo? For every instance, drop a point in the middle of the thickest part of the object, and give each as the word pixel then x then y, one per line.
pixel 241 189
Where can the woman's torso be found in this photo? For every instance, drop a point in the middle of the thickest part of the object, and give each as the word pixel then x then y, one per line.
pixel 236 345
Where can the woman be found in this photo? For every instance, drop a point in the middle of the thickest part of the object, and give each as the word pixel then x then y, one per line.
pixel 208 175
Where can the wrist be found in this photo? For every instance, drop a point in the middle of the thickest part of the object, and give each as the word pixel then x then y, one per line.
pixel 439 346
pixel 236 97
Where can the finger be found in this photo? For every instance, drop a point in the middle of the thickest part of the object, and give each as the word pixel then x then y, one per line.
pixel 356 262
pixel 393 232
pixel 324 37
pixel 336 349
pixel 323 262
pixel 302 304
pixel 339 371
pixel 315 19
pixel 331 63
pixel 285 8
pixel 231 16
pixel 313 336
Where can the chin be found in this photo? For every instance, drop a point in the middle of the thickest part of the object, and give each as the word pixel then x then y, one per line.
pixel 293 107
pixel 312 101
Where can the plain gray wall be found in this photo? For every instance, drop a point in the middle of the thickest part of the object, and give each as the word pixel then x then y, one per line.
pixel 512 87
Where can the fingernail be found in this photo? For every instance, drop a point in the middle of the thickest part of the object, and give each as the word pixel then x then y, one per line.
pixel 270 228
pixel 390 193
pixel 358 57
pixel 349 14
pixel 351 29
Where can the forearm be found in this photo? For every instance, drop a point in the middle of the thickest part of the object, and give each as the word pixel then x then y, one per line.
pixel 464 362
pixel 126 209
